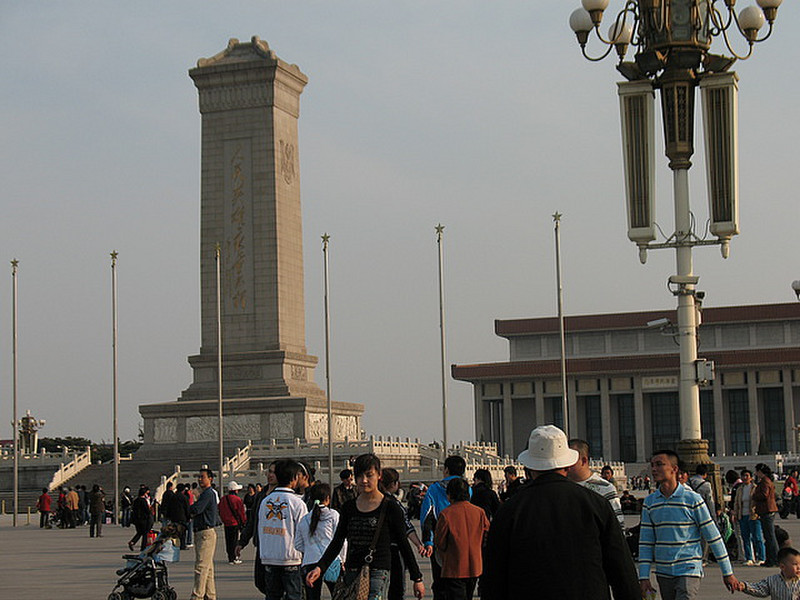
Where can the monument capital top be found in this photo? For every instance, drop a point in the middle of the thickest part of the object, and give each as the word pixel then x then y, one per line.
pixel 256 50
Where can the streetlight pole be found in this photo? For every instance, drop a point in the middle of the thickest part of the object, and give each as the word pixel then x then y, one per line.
pixel 114 256
pixel 325 240
pixel 564 406
pixel 672 41
pixel 15 503
pixel 220 449
pixel 439 233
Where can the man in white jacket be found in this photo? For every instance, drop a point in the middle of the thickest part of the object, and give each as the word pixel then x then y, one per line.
pixel 278 516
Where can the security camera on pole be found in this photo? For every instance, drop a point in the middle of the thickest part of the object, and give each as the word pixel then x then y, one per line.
pixel 672 53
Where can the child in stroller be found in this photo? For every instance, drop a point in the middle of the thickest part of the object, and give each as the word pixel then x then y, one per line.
pixel 145 574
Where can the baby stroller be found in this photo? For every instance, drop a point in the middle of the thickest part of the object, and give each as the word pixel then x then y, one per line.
pixel 145 574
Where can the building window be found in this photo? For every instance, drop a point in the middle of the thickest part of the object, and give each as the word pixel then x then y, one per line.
pixel 665 420
pixel 739 415
pixel 627 427
pixel 707 419
pixel 594 425
pixel 774 437
pixel 555 404
pixel 493 423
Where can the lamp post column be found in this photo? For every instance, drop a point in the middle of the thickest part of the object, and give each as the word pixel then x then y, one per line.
pixel 689 392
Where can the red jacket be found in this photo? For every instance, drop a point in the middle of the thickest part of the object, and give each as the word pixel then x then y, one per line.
pixel 43 503
pixel 460 533
pixel 231 510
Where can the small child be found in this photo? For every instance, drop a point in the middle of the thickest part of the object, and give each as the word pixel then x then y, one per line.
pixel 781 586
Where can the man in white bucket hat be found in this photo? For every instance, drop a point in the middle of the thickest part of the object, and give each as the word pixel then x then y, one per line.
pixel 554 538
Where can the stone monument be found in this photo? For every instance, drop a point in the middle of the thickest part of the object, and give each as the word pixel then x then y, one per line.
pixel 250 205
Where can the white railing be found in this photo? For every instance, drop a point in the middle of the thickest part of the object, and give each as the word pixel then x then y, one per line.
pixel 240 458
pixel 67 471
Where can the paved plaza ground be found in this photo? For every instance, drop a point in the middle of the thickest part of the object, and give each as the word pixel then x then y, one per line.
pixel 38 564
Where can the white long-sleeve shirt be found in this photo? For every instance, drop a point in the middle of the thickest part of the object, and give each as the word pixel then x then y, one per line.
pixel 313 546
pixel 278 516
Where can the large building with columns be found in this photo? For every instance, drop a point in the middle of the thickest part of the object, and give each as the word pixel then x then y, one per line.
pixel 622 381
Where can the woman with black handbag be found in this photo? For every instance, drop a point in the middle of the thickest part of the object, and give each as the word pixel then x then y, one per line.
pixel 369 524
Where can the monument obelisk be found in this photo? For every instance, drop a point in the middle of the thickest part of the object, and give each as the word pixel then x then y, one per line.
pixel 250 204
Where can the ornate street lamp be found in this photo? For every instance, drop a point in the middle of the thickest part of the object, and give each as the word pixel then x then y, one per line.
pixel 671 42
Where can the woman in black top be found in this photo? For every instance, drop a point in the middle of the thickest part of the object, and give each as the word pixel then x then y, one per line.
pixel 357 524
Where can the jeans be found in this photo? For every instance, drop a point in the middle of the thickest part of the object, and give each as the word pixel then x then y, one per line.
pixel 378 582
pixel 752 539
pixel 44 519
pixel 768 527
pixel 282 580
pixel 126 517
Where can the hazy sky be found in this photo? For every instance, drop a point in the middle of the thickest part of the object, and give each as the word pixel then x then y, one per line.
pixel 482 116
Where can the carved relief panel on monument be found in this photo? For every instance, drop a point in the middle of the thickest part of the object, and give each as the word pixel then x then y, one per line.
pixel 281 426
pixel 346 426
pixel 237 262
pixel 165 431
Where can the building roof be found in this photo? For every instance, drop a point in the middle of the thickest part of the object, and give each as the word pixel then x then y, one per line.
pixel 624 365
pixel 638 320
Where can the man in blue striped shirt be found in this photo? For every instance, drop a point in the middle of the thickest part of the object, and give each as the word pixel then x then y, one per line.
pixel 674 519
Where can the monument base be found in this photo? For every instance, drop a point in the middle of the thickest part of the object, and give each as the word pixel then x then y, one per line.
pixel 186 425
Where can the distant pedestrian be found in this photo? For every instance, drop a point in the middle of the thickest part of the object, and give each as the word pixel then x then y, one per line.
pixel 674 520
pixel 482 493
pixel 512 482
pixel 459 540
pixel 345 491
pixel 43 505
pixel 73 507
pixel 766 507
pixel 249 501
pixel 97 511
pixel 141 518
pixel 177 512
pixel 744 513
pixel 205 516
pixel 552 522
pixel 125 504
pixel 232 515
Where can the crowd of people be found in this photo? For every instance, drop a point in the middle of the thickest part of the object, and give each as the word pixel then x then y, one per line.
pixel 74 507
pixel 501 543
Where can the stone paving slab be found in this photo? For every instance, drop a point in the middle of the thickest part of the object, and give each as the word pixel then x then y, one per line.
pixel 38 564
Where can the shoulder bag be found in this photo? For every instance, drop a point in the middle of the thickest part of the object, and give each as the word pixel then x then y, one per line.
pixel 358 588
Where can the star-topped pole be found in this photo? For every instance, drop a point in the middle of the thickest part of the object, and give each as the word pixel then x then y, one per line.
pixel 439 233
pixel 114 255
pixel 564 409
pixel 15 437
pixel 325 241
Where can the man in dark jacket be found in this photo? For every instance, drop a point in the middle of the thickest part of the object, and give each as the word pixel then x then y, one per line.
pixel 554 538
pixel 177 512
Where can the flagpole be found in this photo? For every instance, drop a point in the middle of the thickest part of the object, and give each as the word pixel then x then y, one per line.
pixel 557 222
pixel 218 260
pixel 325 239
pixel 114 256
pixel 439 232
pixel 14 265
